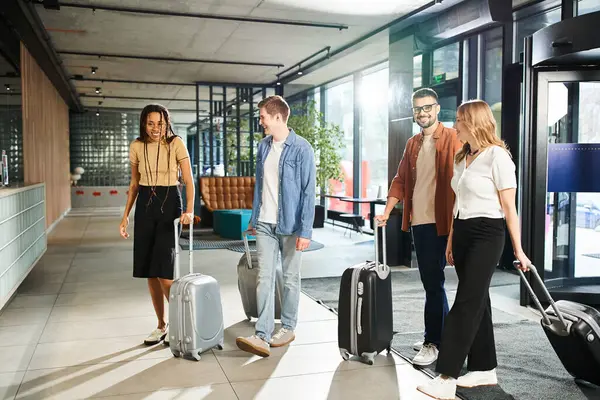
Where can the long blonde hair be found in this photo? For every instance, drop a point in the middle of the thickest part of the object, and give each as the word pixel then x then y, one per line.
pixel 477 116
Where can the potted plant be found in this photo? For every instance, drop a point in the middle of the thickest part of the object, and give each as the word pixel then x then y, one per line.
pixel 326 140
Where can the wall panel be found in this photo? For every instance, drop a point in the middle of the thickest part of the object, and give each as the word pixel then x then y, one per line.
pixel 45 137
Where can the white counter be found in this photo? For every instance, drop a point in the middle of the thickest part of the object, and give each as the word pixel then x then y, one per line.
pixel 22 235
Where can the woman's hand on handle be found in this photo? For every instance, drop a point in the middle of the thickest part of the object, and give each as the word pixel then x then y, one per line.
pixel 186 218
pixel 523 262
pixel 123 228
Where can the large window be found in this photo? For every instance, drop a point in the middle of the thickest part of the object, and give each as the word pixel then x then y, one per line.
pixel 587 6
pixel 374 129
pixel 492 73
pixel 528 26
pixel 445 63
pixel 418 71
pixel 339 110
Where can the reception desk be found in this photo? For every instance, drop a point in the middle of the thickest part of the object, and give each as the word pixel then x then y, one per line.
pixel 22 235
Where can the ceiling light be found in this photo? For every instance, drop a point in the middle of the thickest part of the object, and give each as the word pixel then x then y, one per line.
pixel 98 90
pixel 94 69
pixel 97 113
pixel 7 86
pixel 299 72
pixel 278 83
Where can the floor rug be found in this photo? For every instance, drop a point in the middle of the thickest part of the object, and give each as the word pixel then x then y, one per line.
pixel 528 368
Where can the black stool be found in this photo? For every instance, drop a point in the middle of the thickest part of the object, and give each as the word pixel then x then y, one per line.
pixel 354 219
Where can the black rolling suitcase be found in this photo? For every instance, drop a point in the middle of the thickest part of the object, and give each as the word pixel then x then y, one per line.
pixel 573 330
pixel 365 317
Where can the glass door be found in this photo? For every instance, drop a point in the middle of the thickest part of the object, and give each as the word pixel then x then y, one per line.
pixel 566 165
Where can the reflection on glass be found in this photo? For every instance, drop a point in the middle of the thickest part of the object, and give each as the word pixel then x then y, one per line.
pixel 492 74
pixel 587 6
pixel 418 71
pixel 339 110
pixel 11 124
pixel 528 26
pixel 374 129
pixel 445 61
pixel 572 234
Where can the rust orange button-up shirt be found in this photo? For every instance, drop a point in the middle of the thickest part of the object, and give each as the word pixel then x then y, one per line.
pixel 403 184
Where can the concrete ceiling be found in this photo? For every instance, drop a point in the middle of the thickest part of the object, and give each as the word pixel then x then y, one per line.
pixel 124 33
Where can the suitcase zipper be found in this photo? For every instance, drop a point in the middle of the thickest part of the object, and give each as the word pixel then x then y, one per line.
pixel 353 310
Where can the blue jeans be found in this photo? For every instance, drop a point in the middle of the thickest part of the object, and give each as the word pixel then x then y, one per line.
pixel 431 256
pixel 268 246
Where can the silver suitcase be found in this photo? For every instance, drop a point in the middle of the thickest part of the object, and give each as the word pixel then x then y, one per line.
pixel 195 310
pixel 247 270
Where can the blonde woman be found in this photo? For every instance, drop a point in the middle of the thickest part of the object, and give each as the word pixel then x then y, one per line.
pixel 485 184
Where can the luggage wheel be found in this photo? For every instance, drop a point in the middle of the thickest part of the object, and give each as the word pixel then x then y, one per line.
pixel 219 347
pixel 389 349
pixel 196 356
pixel 368 358
pixel 176 354
pixel 345 355
pixel 248 317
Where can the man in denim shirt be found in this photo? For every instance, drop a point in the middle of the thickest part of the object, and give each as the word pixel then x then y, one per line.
pixel 282 218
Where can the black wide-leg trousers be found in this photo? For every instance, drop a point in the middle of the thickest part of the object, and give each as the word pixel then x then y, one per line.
pixel 477 244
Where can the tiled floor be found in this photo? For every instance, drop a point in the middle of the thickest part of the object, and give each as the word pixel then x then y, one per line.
pixel 76 326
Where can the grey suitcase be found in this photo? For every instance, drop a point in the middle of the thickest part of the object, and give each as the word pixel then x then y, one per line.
pixel 195 310
pixel 247 270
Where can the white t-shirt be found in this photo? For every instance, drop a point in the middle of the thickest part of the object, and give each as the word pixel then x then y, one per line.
pixel 477 186
pixel 270 192
pixel 423 210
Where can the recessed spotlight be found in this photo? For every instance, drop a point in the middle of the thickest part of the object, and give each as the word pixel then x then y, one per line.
pixel 94 69
pixel 7 86
pixel 278 83
pixel 299 72
pixel 98 90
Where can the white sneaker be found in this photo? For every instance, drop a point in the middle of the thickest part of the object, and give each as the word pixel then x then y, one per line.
pixel 282 337
pixel 427 355
pixel 418 345
pixel 478 378
pixel 438 388
pixel 155 337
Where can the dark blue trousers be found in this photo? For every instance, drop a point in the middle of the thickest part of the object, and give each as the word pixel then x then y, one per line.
pixel 431 257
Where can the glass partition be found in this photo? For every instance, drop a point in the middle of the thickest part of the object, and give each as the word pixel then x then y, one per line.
pixel 11 122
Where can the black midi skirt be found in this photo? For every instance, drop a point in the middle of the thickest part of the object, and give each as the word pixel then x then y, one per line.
pixel 153 234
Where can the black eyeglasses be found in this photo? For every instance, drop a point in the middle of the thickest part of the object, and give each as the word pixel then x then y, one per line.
pixel 426 108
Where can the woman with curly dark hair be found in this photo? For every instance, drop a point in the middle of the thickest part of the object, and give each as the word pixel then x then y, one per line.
pixel 156 158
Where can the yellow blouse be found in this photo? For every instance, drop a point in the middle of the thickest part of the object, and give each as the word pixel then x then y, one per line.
pixel 145 155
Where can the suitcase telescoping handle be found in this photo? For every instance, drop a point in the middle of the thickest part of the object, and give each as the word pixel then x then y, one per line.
pixel 247 249
pixel 191 248
pixel 383 270
pixel 563 330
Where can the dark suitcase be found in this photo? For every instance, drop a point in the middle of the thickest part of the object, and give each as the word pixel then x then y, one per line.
pixel 365 317
pixel 573 330
pixel 247 271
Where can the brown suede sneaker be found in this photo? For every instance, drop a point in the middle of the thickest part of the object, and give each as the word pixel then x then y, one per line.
pixel 254 345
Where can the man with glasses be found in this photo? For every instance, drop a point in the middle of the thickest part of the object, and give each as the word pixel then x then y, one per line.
pixel 423 184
